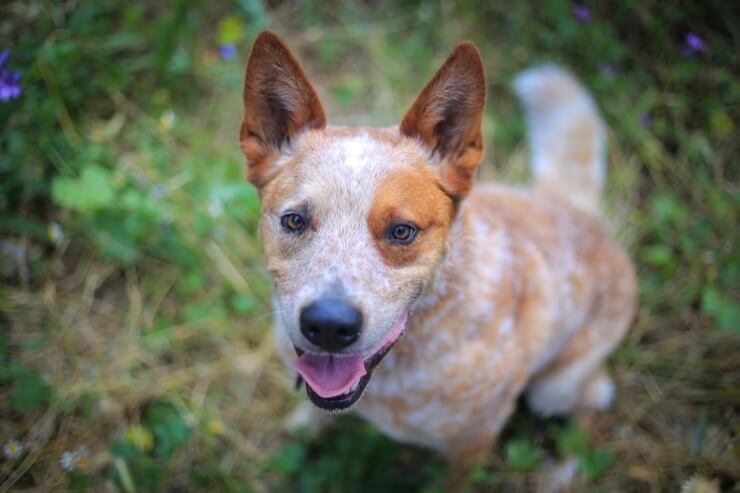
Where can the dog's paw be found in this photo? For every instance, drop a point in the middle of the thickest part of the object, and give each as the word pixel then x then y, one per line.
pixel 557 477
pixel 599 392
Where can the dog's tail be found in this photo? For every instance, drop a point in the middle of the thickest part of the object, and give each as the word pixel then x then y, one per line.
pixel 566 135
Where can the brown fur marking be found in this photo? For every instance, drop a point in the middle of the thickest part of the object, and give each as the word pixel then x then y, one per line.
pixel 410 196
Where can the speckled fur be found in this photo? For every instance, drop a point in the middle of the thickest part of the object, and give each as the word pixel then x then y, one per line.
pixel 512 290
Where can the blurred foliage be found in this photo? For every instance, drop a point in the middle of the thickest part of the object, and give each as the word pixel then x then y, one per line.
pixel 122 192
pixel 163 428
pixel 30 392
pixel 76 57
pixel 360 461
pixel 522 456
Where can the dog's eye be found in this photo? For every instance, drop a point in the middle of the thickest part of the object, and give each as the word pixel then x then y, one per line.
pixel 293 222
pixel 402 233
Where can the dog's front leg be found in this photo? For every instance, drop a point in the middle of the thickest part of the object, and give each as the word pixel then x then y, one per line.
pixel 467 448
pixel 307 418
pixel 464 461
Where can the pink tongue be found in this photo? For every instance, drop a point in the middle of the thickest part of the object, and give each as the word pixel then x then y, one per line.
pixel 330 375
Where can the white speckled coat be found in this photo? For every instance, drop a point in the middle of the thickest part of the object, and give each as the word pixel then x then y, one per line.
pixel 508 290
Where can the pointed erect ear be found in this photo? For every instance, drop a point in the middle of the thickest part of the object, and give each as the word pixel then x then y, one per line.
pixel 279 103
pixel 446 118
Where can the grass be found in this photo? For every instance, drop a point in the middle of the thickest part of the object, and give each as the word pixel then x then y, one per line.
pixel 136 309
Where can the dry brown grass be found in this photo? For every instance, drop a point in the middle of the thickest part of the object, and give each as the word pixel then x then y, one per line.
pixel 88 324
pixel 90 319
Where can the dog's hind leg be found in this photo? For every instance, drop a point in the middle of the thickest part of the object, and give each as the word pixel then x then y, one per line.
pixel 577 379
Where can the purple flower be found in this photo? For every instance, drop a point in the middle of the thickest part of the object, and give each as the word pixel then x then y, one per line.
pixel 227 52
pixel 694 44
pixel 158 192
pixel 9 79
pixel 645 120
pixel 582 13
pixel 607 69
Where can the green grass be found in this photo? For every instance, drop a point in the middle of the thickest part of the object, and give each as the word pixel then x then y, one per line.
pixel 136 308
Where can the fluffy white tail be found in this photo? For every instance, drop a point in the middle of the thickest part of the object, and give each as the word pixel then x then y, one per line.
pixel 566 135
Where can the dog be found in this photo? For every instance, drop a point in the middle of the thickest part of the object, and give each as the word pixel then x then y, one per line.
pixel 398 281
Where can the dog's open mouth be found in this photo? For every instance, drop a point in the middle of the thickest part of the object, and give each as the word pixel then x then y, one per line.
pixel 336 382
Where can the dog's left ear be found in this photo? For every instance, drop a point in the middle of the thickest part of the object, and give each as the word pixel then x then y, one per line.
pixel 447 115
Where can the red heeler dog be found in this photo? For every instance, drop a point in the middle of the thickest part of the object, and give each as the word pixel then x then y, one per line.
pixel 375 233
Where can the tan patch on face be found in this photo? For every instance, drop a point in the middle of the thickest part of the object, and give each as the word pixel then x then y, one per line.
pixel 410 196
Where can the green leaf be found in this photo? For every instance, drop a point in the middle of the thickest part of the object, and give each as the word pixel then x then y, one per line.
pixel 30 390
pixel 244 304
pixel 481 475
pixel 595 463
pixel 195 312
pixel 328 51
pixel 522 456
pixel 256 13
pixel 121 449
pixel 76 481
pixel 722 310
pixel 347 90
pixel 657 255
pixel 571 440
pixel 720 122
pixel 667 208
pixel 3 350
pixel 169 429
pixel 230 31
pixel 240 198
pixel 93 190
pixel 193 282
pixel 288 459
pixel 146 471
pixel 730 273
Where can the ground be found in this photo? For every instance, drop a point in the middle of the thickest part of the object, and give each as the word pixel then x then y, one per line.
pixel 135 343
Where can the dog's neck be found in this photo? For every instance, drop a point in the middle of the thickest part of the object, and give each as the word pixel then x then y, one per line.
pixel 449 273
pixel 448 296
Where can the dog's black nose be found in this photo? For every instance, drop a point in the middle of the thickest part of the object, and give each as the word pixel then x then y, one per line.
pixel 331 323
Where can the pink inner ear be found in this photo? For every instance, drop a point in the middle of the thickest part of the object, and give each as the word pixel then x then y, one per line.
pixel 447 113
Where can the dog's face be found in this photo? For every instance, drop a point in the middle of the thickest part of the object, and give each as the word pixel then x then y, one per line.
pixel 354 221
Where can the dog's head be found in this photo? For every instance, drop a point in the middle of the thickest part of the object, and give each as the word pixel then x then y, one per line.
pixel 354 221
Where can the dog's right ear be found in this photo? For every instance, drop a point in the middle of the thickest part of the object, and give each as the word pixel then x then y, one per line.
pixel 279 102
pixel 446 118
